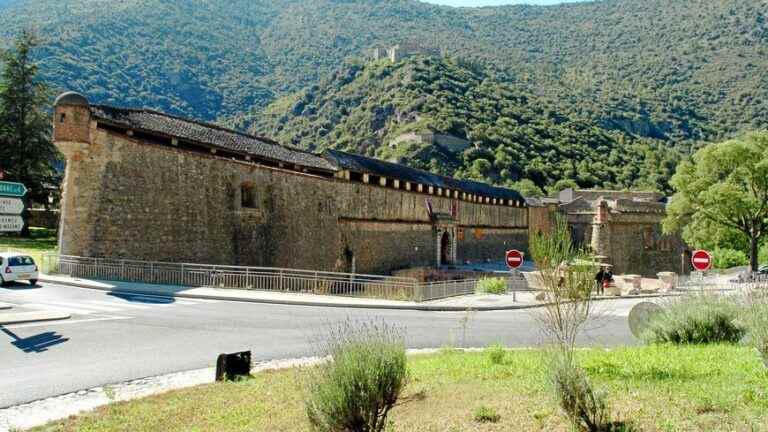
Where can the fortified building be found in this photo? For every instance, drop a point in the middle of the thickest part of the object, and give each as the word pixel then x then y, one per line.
pixel 621 227
pixel 144 185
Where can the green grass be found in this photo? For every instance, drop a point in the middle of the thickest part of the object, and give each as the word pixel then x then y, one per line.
pixel 491 286
pixel 656 388
pixel 40 242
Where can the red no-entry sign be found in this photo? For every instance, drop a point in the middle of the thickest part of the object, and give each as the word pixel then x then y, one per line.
pixel 701 260
pixel 514 259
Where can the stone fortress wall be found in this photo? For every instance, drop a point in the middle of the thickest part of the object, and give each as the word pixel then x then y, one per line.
pixel 127 196
pixel 130 194
pixel 626 228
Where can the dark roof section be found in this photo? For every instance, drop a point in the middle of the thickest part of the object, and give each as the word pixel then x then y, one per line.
pixel 361 164
pixel 153 122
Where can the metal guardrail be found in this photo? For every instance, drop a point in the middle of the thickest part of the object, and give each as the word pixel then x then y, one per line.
pixel 265 278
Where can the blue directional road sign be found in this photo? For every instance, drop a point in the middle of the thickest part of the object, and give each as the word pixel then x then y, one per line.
pixel 12 189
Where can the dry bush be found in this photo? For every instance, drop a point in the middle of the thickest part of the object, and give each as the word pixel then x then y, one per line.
pixel 586 408
pixel 566 275
pixel 697 319
pixel 757 322
pixel 363 380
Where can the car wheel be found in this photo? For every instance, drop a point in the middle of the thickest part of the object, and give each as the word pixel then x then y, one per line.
pixel 33 282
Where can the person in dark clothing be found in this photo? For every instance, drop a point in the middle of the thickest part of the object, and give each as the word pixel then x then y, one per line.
pixel 609 276
pixel 599 278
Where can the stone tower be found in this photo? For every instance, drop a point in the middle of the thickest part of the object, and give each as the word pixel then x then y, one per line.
pixel 72 116
pixel 601 229
pixel 72 136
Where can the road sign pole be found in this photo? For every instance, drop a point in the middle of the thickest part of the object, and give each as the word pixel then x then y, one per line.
pixel 514 260
pixel 515 274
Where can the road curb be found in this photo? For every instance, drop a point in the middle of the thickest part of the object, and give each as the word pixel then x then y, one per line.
pixel 414 307
pixel 433 308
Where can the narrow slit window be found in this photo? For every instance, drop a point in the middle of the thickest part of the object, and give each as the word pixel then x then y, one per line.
pixel 247 196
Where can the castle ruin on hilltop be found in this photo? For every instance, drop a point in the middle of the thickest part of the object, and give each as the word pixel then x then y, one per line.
pixel 402 51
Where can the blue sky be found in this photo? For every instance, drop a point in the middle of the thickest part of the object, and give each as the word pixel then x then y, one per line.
pixel 494 2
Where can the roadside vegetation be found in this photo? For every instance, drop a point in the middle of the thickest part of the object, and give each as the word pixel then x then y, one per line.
pixel 491 286
pixel 712 319
pixel 41 241
pixel 361 383
pixel 566 277
pixel 698 319
pixel 720 199
pixel 659 387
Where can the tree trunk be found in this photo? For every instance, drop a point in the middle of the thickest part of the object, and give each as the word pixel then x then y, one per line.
pixel 753 253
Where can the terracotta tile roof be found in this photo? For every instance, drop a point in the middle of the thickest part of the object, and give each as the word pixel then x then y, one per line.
pixel 216 137
pixel 362 164
pixel 213 136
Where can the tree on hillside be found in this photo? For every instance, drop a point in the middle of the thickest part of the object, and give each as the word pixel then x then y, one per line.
pixel 724 186
pixel 526 187
pixel 26 150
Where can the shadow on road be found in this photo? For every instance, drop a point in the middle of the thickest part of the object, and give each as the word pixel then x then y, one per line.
pixel 37 343
pixel 20 286
pixel 141 298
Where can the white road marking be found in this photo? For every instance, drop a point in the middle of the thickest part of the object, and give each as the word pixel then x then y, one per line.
pixel 85 305
pixel 63 322
pixel 89 307
pixel 57 308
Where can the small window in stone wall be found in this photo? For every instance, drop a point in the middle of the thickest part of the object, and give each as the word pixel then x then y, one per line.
pixel 62 117
pixel 247 196
pixel 665 244
pixel 649 242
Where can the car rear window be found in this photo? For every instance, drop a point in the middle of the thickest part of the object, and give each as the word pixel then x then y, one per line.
pixel 20 261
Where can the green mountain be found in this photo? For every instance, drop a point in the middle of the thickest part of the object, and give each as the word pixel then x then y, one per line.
pixel 462 119
pixel 681 70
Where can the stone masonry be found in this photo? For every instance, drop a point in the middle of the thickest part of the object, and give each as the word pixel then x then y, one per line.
pixel 135 193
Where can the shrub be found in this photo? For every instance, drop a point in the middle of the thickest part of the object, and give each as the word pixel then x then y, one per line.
pixel 566 277
pixel 492 286
pixel 362 381
pixel 757 324
pixel 697 319
pixel 728 258
pixel 485 414
pixel 584 407
pixel 496 353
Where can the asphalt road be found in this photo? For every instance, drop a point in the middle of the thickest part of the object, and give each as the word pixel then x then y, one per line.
pixel 112 339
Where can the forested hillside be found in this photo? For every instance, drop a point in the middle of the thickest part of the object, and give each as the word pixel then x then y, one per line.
pixel 681 70
pixel 376 108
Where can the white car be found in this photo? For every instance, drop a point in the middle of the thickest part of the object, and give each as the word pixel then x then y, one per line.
pixel 16 267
